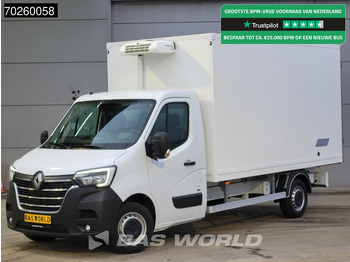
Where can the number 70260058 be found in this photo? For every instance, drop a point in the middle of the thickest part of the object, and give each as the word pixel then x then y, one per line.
pixel 17 10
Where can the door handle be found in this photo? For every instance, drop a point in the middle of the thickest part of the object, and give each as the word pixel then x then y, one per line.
pixel 189 163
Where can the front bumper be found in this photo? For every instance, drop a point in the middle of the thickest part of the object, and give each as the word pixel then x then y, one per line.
pixel 96 207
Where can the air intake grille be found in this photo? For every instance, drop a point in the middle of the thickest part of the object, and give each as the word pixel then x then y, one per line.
pixel 130 49
pixel 50 196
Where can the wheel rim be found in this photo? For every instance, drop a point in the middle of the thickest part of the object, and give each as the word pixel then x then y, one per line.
pixel 298 198
pixel 132 228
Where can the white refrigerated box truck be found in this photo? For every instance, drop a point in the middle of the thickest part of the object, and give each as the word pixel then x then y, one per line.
pixel 188 126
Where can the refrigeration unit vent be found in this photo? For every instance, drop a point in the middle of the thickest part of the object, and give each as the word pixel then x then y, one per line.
pixel 148 47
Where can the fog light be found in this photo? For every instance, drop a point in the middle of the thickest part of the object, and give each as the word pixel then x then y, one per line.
pixel 10 220
pixel 87 228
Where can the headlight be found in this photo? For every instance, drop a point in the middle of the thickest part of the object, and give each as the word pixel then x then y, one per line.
pixel 100 177
pixel 12 172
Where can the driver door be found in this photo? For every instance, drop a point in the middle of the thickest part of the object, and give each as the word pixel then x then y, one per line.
pixel 177 183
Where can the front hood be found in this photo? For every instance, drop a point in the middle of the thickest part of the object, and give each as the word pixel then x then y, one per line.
pixel 54 162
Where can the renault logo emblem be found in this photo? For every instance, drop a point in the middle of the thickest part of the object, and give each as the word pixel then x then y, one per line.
pixel 38 180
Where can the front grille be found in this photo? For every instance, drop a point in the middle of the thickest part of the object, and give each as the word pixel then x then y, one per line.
pixel 50 196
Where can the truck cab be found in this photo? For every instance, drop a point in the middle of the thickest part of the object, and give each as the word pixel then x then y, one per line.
pixel 112 151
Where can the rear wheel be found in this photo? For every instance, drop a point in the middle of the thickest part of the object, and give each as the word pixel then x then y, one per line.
pixel 135 227
pixel 295 205
pixel 40 239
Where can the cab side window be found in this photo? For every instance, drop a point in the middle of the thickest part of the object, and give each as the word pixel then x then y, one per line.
pixel 173 119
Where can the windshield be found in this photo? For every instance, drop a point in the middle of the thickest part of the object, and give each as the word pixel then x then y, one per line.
pixel 107 124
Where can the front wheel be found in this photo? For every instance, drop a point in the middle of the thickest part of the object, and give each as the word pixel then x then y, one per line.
pixel 135 227
pixel 295 205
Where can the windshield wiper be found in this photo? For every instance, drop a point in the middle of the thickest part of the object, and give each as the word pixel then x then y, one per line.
pixel 58 144
pixel 90 146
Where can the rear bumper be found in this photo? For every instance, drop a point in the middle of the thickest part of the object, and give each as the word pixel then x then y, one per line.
pixel 96 207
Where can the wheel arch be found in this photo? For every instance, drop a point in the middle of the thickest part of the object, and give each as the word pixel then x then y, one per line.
pixel 299 174
pixel 145 201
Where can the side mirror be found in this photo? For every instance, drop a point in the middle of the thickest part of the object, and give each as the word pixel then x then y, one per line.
pixel 43 137
pixel 158 146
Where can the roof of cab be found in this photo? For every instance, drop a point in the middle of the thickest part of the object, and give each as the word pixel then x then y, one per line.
pixel 158 95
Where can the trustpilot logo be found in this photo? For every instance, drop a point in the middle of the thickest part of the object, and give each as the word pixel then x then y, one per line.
pixel 187 240
pixel 251 25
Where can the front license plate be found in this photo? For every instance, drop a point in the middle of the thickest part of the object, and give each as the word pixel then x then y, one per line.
pixel 39 219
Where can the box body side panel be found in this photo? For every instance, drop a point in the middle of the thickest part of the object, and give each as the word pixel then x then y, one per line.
pixel 278 108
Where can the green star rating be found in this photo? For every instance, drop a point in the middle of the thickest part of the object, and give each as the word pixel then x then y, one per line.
pixel 295 24
pixel 303 24
pixel 320 24
pixel 286 24
pixel 247 24
pixel 311 24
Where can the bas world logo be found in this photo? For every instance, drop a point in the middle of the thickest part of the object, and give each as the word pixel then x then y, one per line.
pixel 207 240
pixel 187 240
pixel 104 236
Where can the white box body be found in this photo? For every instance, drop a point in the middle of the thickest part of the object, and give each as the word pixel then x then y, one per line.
pixel 265 108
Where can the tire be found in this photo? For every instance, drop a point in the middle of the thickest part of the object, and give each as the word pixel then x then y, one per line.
pixel 295 205
pixel 40 239
pixel 135 226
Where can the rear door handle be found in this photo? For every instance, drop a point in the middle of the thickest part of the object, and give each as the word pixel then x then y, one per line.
pixel 189 163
